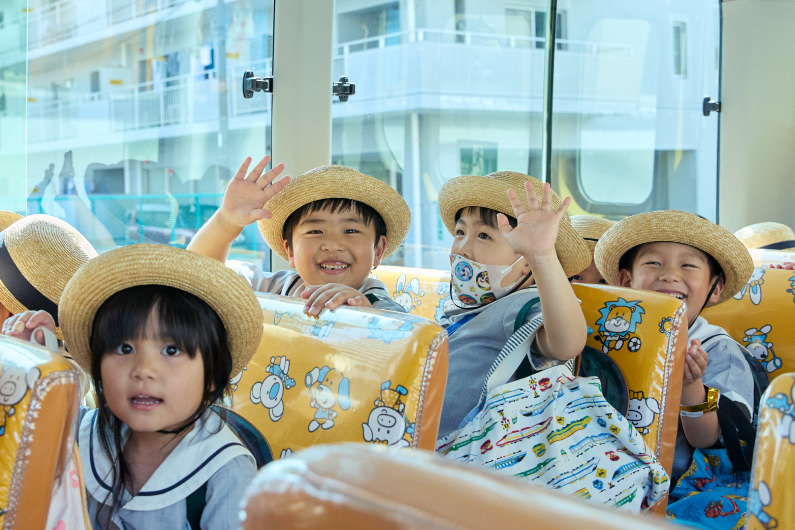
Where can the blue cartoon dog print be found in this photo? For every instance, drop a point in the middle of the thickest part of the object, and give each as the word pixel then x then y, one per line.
pixel 327 387
pixel 753 288
pixel 619 320
pixel 786 405
pixel 761 348
pixel 270 391
pixel 387 423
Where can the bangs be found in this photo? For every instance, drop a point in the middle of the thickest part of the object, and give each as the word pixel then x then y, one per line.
pixel 487 215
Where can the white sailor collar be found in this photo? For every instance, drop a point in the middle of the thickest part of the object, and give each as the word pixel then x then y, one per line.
pixel 193 461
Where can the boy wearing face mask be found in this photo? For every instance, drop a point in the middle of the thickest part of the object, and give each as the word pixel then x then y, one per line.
pixel 507 252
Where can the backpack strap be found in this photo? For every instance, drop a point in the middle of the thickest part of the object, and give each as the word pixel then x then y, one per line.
pixel 195 506
pixel 522 314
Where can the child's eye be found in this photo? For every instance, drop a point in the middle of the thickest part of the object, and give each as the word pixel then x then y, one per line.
pixel 483 235
pixel 170 350
pixel 351 231
pixel 124 349
pixel 576 277
pixel 314 232
pixel 459 232
pixel 653 263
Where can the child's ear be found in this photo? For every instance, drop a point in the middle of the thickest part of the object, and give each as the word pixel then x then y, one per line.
pixel 715 296
pixel 380 248
pixel 624 278
pixel 289 252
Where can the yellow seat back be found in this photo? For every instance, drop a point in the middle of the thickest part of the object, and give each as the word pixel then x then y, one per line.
pixel 354 487
pixel 351 375
pixel 39 398
pixel 770 499
pixel 421 292
pixel 760 317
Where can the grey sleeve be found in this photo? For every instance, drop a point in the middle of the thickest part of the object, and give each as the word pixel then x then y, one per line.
pixel 260 281
pixel 728 371
pixel 377 287
pixel 225 490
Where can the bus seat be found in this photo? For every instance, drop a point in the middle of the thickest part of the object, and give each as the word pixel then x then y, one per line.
pixel 40 401
pixel 648 348
pixel 421 292
pixel 759 317
pixel 356 487
pixel 769 500
pixel 350 375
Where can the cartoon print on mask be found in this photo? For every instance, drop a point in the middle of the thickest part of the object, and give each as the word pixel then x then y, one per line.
pixel 387 424
pixel 762 349
pixel 642 410
pixel 270 391
pixel 328 387
pixel 408 293
pixel 786 405
pixel 617 324
pixel 753 287
pixel 14 384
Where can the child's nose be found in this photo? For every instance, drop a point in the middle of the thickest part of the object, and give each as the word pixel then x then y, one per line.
pixel 144 367
pixel 669 273
pixel 332 243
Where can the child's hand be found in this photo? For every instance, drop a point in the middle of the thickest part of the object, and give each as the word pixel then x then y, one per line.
pixel 21 325
pixel 695 363
pixel 537 227
pixel 245 196
pixel 331 296
pixel 788 265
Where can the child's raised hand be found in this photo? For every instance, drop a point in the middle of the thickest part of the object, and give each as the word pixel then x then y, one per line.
pixel 245 196
pixel 331 296
pixel 21 325
pixel 537 226
pixel 695 362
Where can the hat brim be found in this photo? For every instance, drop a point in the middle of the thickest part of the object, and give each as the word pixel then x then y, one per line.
pixel 492 192
pixel 222 289
pixel 336 182
pixel 675 226
pixel 6 218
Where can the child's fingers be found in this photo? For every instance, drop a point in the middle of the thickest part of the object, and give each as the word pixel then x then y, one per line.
pixel 532 198
pixel 546 197
pixel 241 173
pixel 343 298
pixel 255 173
pixel 516 204
pixel 503 224
pixel 275 187
pixel 564 206
pixel 265 179
pixel 308 290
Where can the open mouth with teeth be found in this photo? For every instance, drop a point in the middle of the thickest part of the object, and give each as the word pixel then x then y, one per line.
pixel 144 401
pixel 677 295
pixel 333 266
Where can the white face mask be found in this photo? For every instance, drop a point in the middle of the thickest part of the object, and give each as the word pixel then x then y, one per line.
pixel 475 284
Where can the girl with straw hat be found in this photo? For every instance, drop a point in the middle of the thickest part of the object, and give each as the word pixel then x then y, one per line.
pixel 333 224
pixel 686 256
pixel 590 228
pixel 508 251
pixel 161 330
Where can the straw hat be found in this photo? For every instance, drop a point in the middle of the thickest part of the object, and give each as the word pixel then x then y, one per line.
pixel 145 264
pixel 332 182
pixel 773 236
pixel 591 228
pixel 6 218
pixel 38 255
pixel 491 192
pixel 676 227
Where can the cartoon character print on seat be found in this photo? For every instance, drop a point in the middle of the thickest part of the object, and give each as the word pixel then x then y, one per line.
pixel 328 388
pixel 769 500
pixel 617 325
pixel 642 411
pixel 407 293
pixel 753 288
pixel 14 384
pixel 760 348
pixel 387 424
pixel 270 391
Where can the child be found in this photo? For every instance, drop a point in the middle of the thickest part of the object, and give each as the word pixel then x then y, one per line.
pixel 333 224
pixel 38 255
pixel 536 244
pixel 590 228
pixel 688 257
pixel 776 237
pixel 161 330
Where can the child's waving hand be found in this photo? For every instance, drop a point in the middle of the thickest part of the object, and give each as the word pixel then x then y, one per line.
pixel 22 325
pixel 245 196
pixel 537 226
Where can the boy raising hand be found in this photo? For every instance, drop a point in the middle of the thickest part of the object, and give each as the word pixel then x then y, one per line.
pixel 333 224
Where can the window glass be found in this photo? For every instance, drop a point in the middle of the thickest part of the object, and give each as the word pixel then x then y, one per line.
pixel 135 113
pixel 450 88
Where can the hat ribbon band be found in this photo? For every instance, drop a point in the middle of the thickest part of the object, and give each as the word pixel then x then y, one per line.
pixel 781 245
pixel 19 287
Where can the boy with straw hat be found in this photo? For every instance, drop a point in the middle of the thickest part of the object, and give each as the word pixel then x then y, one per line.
pixel 332 224
pixel 768 235
pixel 590 228
pixel 690 258
pixel 507 253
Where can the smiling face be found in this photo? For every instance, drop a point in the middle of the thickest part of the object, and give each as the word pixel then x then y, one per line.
pixel 477 240
pixel 674 269
pixel 334 247
pixel 151 384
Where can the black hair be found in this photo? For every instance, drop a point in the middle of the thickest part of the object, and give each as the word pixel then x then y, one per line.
pixel 335 205
pixel 487 215
pixel 182 317
pixel 628 260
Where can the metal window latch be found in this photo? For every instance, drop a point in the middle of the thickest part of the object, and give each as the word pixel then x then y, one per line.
pixel 253 84
pixel 343 89
pixel 709 106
